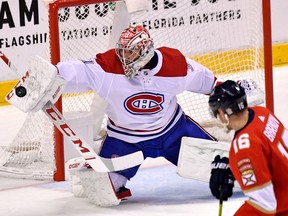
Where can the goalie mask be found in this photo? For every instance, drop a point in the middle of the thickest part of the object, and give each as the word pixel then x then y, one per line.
pixel 229 97
pixel 135 49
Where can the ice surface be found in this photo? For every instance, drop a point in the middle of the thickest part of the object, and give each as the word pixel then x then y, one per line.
pixel 157 190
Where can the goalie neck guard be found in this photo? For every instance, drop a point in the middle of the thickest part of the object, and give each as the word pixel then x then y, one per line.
pixel 135 49
pixel 229 97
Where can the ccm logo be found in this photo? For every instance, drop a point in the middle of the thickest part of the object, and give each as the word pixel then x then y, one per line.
pixel 65 129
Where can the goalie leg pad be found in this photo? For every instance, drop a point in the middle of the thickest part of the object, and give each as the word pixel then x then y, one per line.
pixel 74 165
pixel 98 188
pixel 76 185
pixel 196 155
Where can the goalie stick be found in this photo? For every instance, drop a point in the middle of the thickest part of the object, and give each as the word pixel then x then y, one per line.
pixel 98 163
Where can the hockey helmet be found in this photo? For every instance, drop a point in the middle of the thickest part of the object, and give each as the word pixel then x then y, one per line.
pixel 135 48
pixel 229 97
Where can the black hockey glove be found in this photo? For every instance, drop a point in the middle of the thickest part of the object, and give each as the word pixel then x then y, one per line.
pixel 221 180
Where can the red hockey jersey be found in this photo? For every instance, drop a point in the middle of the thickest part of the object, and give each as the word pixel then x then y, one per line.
pixel 259 161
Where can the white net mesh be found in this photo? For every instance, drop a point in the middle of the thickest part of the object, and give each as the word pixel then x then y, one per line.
pixel 31 153
pixel 225 36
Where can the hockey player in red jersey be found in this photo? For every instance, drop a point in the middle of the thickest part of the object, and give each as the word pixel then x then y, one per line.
pixel 258 156
pixel 140 85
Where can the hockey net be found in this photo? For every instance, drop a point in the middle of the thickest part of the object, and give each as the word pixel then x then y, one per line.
pixel 226 36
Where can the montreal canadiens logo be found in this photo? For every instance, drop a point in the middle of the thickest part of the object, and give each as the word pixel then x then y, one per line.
pixel 144 103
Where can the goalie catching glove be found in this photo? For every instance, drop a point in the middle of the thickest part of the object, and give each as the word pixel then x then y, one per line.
pixel 222 180
pixel 255 95
pixel 40 84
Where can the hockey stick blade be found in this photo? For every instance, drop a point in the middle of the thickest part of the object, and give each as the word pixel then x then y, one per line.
pixel 98 163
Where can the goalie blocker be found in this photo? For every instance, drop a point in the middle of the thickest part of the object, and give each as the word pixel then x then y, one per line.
pixel 40 84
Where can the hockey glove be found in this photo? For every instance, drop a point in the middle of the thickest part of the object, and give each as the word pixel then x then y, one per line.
pixel 40 84
pixel 254 93
pixel 222 180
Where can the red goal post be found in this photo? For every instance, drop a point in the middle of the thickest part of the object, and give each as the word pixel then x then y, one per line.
pixel 185 26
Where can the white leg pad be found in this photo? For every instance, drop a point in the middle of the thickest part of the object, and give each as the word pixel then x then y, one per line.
pixel 74 165
pixel 196 155
pixel 98 188
pixel 75 184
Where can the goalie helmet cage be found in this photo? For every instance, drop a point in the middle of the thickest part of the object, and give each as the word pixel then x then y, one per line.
pixel 232 38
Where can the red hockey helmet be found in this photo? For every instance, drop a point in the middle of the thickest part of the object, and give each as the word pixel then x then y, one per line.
pixel 134 48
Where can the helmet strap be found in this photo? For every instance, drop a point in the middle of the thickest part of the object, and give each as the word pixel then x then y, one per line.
pixel 224 122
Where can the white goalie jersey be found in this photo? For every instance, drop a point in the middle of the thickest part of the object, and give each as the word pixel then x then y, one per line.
pixel 145 106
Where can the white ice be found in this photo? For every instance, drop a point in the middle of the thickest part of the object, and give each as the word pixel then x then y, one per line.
pixel 157 189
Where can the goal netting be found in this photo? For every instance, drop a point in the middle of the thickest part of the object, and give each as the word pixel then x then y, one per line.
pixel 225 36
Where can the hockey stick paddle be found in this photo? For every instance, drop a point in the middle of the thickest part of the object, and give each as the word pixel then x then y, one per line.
pixel 95 161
